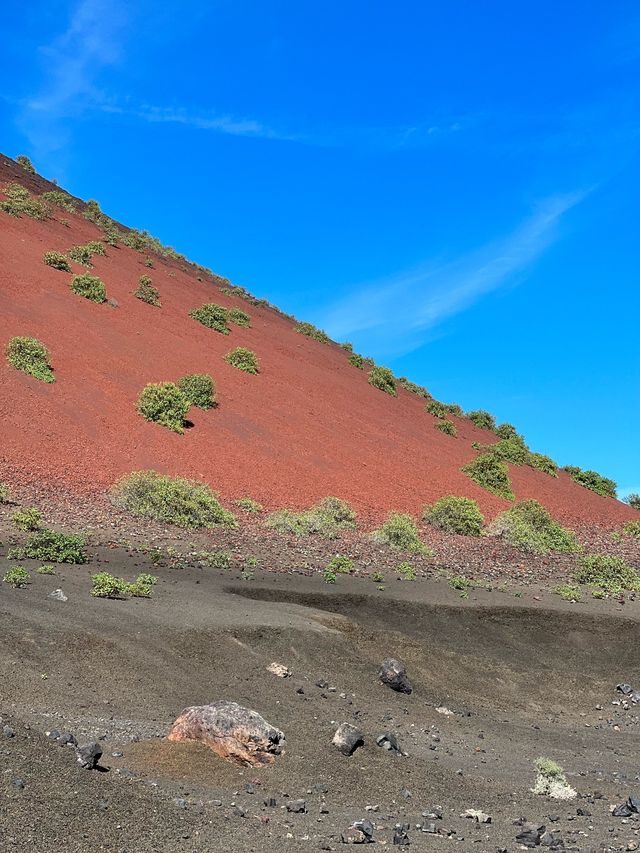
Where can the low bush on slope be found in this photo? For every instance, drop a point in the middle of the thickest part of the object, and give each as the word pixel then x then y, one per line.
pixel 401 532
pixel 610 575
pixel 529 526
pixel 165 404
pixel 31 357
pixel 49 546
pixel 447 427
pixel 482 419
pixel 19 202
pixel 491 474
pixel 326 518
pixel 171 500
pixel 312 331
pixel 240 318
pixel 592 480
pixel 199 390
pixel 212 316
pixel 455 515
pixel 57 260
pixel 243 359
pixel 146 292
pixel 383 378
pixel 25 162
pixel 90 287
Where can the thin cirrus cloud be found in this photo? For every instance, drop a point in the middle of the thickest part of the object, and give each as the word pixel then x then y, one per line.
pixel 422 298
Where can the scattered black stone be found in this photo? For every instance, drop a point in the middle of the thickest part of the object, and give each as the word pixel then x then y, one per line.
pixel 393 673
pixel 531 834
pixel 626 809
pixel 400 835
pixel 89 755
pixel 389 741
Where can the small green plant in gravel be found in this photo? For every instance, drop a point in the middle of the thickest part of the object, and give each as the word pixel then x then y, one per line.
pixel 25 162
pixel 529 526
pixel 106 585
pixel 383 378
pixel 31 357
pixel 171 500
pixel 199 390
pixel 142 585
pixel 83 254
pixel 212 316
pixel 341 565
pixel 240 318
pixel 89 286
pixel 346 346
pixel 59 198
pixel 19 202
pixel 377 577
pixel 47 569
pixel 453 409
pixel 96 248
pixel 149 263
pixel 400 531
pixel 17 577
pixel 507 449
pixel 51 546
pixel 57 260
pixel 5 493
pixel 357 361
pixel 551 780
pixel 312 331
pixel 491 474
pixel 567 591
pixel 249 505
pixel 633 500
pixel 593 481
pixel 612 575
pixel 482 419
pixel 460 583
pixel 447 427
pixel 28 519
pixel 455 515
pixel 326 518
pixel 632 528
pixel 413 387
pixel 146 292
pixel 507 431
pixel 165 404
pixel 328 576
pixel 243 359
pixel 406 571
pixel 216 559
pixel 437 409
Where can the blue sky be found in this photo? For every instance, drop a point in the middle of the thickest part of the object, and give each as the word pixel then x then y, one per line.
pixel 454 187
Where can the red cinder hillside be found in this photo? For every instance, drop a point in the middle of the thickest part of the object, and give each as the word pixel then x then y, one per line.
pixel 309 425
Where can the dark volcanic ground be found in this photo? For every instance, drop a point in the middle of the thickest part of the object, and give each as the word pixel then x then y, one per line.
pixel 513 679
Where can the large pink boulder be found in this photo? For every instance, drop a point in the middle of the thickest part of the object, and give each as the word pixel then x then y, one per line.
pixel 233 732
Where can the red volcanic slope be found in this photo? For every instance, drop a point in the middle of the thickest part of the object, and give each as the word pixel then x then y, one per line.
pixel 307 426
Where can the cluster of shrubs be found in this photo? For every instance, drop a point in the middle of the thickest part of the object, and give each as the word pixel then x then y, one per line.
pixel 400 531
pixel 167 403
pixel 455 515
pixel 90 287
pixel 383 378
pixel 57 260
pixel 514 449
pixel 441 410
pixel 19 202
pixel 592 480
pixel 60 199
pixel 171 500
pixel 30 356
pixel 633 500
pixel 529 526
pixel 491 473
pixel 243 359
pixel 447 427
pixel 83 254
pixel 217 317
pixel 326 518
pixel 312 331
pixel 146 292
pixel 52 547
pixel 607 575
pixel 413 388
pixel 106 585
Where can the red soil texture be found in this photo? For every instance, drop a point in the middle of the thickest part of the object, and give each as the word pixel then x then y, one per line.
pixel 309 425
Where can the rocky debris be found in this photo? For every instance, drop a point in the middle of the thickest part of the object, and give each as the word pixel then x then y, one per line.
pixel 629 807
pixel 62 738
pixel 297 806
pixel 233 732
pixel 7 731
pixel 400 835
pixel 360 832
pixel 531 834
pixel 348 738
pixel 389 741
pixel 279 669
pixel 477 815
pixel 393 673
pixel 89 755
pixel 58 595
pixel 446 712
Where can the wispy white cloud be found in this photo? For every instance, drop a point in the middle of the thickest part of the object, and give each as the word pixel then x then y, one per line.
pixel 422 298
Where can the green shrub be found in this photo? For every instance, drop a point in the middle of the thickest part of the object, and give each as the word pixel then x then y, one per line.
pixel 633 500
pixel 612 575
pixel 96 248
pixel 46 570
pixel 216 559
pixel 328 576
pixel 551 780
pixel 31 357
pixel 341 565
pixel 170 500
pixel 326 518
pixel 25 162
pixel 455 515
pixel 5 493
pixel 508 450
pixel 56 260
pixel 148 263
pixel 412 388
pixel 212 316
pixel 529 526
pixel 460 583
pixel 508 431
pixel 311 331
pixel 19 202
pixel 406 571
pixel 437 409
pixel 59 199
pixel 89 286
pixel 357 361
pixel 453 409
pixel 147 292
pixel 141 586
pixel 491 474
pixel 383 378
pixel 348 347
pixel 16 192
pixel 632 528
pixel 244 359
pixel 199 390
pixel 165 404
pixel 567 591
pixel 543 463
pixel 482 419
pixel 377 577
pixel 27 519
pixel 240 318
pixel 401 532
pixel 248 505
pixel 592 480
pixel 106 585
pixel 17 577
pixel 447 427
pixel 52 547
pixel 84 254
